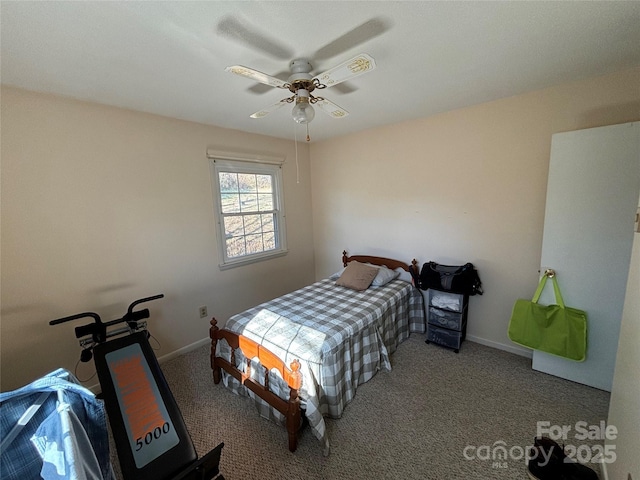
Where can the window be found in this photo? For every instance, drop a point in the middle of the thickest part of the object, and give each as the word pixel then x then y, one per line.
pixel 248 204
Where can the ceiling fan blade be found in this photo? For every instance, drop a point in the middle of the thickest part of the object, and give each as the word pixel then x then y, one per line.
pixel 259 88
pixel 248 34
pixel 257 76
pixel 360 34
pixel 358 65
pixel 330 108
pixel 266 111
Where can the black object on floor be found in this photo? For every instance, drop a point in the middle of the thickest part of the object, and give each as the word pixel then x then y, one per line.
pixel 549 462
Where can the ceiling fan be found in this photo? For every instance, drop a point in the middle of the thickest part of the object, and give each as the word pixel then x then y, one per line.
pixel 301 83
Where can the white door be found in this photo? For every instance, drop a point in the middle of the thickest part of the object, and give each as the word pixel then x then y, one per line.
pixel 592 196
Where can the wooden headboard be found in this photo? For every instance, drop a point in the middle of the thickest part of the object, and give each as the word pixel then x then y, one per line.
pixel 388 262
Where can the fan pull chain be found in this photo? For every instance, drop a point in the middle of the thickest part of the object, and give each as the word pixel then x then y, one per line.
pixel 295 141
pixel 308 138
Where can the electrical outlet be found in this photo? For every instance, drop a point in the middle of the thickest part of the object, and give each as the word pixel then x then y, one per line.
pixel 203 311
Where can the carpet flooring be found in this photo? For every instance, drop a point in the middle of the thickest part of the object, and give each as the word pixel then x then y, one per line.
pixel 436 415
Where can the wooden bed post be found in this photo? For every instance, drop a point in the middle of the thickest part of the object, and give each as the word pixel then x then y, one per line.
pixel 414 270
pixel 213 334
pixel 294 418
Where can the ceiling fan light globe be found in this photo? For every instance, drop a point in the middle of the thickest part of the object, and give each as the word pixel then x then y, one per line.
pixel 303 113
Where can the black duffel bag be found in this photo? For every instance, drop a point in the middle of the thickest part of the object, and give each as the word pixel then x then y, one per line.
pixel 462 279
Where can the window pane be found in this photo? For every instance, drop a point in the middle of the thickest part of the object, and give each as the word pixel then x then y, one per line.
pixel 249 202
pixel 265 202
pixel 267 223
pixel 247 182
pixel 233 227
pixel 228 182
pixel 230 202
pixel 265 183
pixel 269 239
pixel 235 247
pixel 252 224
pixel 254 244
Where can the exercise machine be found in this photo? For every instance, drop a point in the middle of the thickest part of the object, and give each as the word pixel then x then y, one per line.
pixel 151 438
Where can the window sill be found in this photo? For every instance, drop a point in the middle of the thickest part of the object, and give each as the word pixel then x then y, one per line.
pixel 253 259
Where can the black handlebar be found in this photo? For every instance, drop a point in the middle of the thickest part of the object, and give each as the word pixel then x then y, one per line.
pixel 95 316
pixel 142 300
pixel 97 329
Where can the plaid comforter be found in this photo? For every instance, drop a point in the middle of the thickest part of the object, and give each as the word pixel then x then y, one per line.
pixel 341 337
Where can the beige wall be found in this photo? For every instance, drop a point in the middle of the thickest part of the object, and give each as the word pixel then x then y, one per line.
pixel 467 185
pixel 101 206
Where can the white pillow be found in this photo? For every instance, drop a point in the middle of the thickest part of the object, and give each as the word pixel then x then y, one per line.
pixel 384 276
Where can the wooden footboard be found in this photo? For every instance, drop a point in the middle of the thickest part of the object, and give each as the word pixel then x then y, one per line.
pixel 250 349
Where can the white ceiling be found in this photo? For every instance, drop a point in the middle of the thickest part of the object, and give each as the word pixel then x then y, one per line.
pixel 168 57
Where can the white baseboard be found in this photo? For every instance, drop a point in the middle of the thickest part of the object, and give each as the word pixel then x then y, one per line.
pixel 523 352
pixel 183 350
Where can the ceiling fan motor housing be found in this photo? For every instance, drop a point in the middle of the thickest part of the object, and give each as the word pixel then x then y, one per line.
pixel 300 78
pixel 300 65
pixel 301 84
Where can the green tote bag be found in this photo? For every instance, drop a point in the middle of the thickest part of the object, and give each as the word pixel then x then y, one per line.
pixel 554 329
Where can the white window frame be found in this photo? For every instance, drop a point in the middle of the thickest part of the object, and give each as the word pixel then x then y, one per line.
pixel 218 165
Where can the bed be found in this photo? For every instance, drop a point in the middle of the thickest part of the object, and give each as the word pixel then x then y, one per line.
pixel 303 355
